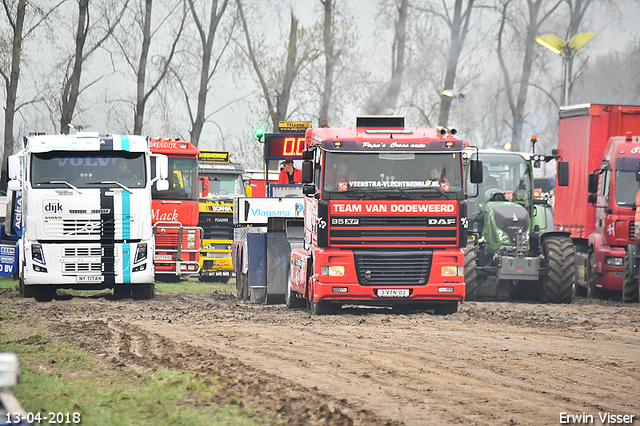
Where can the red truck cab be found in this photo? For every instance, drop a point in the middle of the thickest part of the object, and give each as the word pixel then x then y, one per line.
pixel 389 229
pixel 176 211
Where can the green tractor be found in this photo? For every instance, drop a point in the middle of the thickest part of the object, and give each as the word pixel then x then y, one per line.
pixel 511 236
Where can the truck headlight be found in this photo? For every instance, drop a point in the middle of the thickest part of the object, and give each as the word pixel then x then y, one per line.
pixel 452 271
pixel 191 236
pixel 614 261
pixel 503 236
pixel 37 254
pixel 191 244
pixel 141 253
pixel 332 271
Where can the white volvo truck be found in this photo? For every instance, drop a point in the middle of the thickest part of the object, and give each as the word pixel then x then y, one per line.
pixel 82 204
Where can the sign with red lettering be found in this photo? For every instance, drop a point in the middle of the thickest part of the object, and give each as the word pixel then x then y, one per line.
pixel 284 145
pixel 395 207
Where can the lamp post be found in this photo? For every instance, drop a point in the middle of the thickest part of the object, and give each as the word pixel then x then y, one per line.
pixel 566 51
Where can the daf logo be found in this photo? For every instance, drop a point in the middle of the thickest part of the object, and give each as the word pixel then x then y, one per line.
pixel 367 275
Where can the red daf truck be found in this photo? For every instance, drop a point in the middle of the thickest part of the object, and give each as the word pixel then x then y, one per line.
pixel 384 218
pixel 600 143
pixel 175 212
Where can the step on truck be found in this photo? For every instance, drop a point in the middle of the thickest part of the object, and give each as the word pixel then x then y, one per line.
pixel 600 142
pixel 216 213
pixel 385 218
pixel 82 203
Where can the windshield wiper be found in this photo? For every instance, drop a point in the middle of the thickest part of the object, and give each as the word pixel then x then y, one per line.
pixel 68 184
pixel 110 182
pixel 353 194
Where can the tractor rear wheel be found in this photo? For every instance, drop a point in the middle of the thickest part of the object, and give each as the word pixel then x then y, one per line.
pixel 470 271
pixel 559 253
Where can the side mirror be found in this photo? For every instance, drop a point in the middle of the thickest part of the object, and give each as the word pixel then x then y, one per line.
pixel 475 171
pixel 563 173
pixel 307 171
pixel 14 185
pixel 308 189
pixel 592 198
pixel 204 186
pixel 638 172
pixel 162 166
pixel 14 167
pixel 162 185
pixel 593 183
pixel 309 153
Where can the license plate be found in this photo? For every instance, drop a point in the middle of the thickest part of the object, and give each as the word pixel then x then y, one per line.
pixel 393 292
pixel 90 279
pixel 162 257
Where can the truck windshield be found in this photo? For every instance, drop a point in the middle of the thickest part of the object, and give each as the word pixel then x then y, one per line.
pixel 87 169
pixel 397 175
pixel 225 186
pixel 626 186
pixel 183 180
pixel 506 177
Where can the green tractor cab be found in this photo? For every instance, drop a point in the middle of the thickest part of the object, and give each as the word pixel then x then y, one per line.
pixel 512 243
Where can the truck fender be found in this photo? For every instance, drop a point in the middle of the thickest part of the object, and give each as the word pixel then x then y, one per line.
pixel 547 234
pixel 596 241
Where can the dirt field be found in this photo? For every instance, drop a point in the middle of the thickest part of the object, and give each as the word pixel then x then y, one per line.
pixel 492 363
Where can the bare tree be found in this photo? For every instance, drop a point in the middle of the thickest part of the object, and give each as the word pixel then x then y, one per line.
pixel 278 98
pixel 15 13
pixel 516 89
pixel 459 27
pixel 142 95
pixel 206 38
pixel 386 100
pixel 71 86
pixel 329 55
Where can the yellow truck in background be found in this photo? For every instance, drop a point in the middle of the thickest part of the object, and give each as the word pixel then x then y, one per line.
pixel 216 213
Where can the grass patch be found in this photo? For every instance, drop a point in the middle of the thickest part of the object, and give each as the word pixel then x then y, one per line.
pixel 193 286
pixel 61 378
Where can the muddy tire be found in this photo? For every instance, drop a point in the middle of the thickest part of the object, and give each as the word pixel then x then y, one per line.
pixel 446 308
pixel 143 291
pixel 630 287
pixel 122 291
pixel 292 299
pixel 559 253
pixel 593 292
pixel 470 271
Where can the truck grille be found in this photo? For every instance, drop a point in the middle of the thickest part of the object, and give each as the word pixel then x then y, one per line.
pixel 79 228
pixel 83 267
pixel 72 262
pixel 216 226
pixel 389 268
pixel 632 230
pixel 416 231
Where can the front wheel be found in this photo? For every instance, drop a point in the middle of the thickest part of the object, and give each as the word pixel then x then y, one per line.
pixel 143 291
pixel 446 308
pixel 630 286
pixel 593 292
pixel 559 253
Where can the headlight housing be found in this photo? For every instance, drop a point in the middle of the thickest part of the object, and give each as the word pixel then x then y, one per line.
pixel 503 236
pixel 332 271
pixel 614 261
pixel 141 253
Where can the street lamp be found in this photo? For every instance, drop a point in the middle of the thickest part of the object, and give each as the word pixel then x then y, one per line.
pixel 566 51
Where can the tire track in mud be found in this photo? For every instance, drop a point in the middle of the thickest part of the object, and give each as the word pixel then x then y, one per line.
pixel 491 363
pixel 129 346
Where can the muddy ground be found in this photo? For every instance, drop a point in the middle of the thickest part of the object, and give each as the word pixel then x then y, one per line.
pixel 492 363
